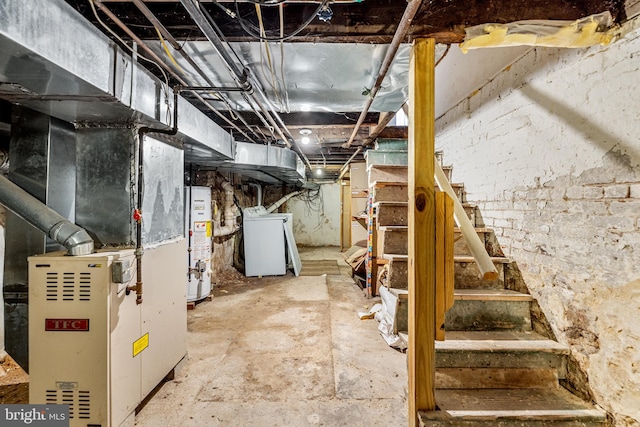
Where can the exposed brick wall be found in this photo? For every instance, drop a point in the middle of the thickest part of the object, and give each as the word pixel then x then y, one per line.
pixel 550 152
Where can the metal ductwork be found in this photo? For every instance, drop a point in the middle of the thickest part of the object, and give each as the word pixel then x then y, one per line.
pixel 74 238
pixel 104 85
pixel 265 163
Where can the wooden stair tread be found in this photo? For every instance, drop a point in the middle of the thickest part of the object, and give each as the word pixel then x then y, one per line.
pixel 399 204
pixel 490 295
pixel 477 294
pixel 499 341
pixel 396 257
pixel 467 259
pixel 456 258
pixel 544 404
pixel 383 166
pixel 477 229
pixel 379 184
pixel 393 228
pixel 406 227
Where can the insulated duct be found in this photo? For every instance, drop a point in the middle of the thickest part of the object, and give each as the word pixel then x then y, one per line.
pixel 74 238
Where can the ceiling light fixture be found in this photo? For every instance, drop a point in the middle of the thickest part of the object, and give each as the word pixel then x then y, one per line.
pixel 305 132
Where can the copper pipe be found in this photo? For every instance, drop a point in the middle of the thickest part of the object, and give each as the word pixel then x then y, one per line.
pixel 161 63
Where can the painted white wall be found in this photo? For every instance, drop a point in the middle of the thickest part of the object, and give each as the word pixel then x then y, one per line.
pixel 317 224
pixel 549 150
pixel 460 74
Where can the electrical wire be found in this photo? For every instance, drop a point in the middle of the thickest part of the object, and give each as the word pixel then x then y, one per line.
pixel 314 202
pixel 113 33
pixel 272 79
pixel 166 49
pixel 287 107
pixel 244 24
pixel 217 96
pixel 267 2
pixel 443 55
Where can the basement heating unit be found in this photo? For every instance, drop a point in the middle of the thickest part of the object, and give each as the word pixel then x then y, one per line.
pixel 91 346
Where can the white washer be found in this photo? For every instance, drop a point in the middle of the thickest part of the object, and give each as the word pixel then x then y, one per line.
pixel 265 252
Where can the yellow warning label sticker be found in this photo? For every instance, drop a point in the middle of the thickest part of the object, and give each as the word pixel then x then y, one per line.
pixel 140 344
pixel 208 228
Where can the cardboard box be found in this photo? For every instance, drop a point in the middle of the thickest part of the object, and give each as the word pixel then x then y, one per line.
pixel 359 177
pixel 358 234
pixel 359 206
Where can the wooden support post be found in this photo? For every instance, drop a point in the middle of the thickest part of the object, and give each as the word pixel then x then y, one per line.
pixel 449 240
pixel 421 351
pixel 441 293
pixel 445 239
pixel 345 223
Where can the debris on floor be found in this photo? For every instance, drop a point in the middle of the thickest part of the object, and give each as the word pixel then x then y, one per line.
pixel 364 315
pixel 356 256
pixel 387 316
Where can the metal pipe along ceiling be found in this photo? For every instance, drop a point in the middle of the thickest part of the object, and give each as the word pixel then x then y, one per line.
pixel 398 38
pixel 242 76
pixel 162 64
pixel 174 43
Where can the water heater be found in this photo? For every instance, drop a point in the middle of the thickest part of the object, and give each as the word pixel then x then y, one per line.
pixel 198 234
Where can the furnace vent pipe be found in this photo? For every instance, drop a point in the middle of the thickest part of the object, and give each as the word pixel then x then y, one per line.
pixel 71 236
pixel 280 202
pixel 230 211
pixel 259 190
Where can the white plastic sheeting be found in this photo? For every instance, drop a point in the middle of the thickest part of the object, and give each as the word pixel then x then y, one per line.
pixel 386 316
pixel 325 77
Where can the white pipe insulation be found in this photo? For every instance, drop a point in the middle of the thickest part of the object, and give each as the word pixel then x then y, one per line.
pixel 230 213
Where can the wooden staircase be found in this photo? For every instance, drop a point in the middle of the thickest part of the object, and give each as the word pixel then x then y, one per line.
pixel 492 369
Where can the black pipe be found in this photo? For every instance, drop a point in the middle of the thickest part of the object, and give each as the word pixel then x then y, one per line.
pixel 241 76
pixel 211 89
pixel 138 212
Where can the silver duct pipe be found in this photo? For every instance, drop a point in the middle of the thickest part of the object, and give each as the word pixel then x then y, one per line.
pixel 240 76
pixel 259 189
pixel 279 203
pixel 71 236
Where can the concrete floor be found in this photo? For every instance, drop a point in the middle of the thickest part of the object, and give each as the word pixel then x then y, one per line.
pixel 284 351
